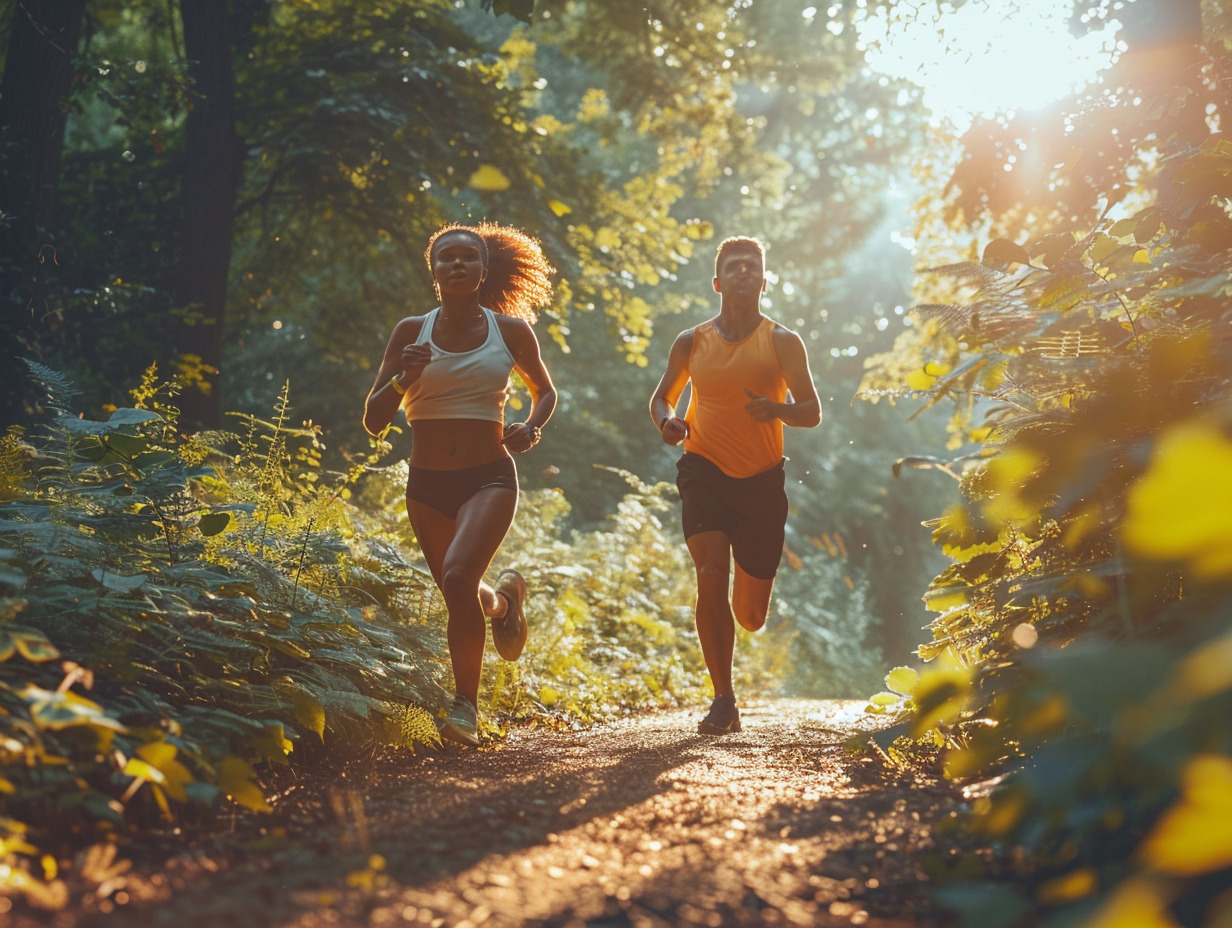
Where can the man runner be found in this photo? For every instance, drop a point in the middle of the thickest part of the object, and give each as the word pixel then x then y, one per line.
pixel 743 366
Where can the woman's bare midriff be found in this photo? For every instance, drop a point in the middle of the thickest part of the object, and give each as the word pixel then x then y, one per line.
pixel 452 444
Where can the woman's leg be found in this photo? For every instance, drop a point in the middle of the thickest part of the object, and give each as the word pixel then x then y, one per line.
pixel 458 552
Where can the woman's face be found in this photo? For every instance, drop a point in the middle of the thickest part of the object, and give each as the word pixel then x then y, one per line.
pixel 457 263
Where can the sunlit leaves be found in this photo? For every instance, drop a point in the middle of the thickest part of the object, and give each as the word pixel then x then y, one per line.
pixel 1193 836
pixel 236 781
pixel 1181 509
pixel 60 710
pixel 1137 903
pixel 30 643
pixel 488 178
pixel 309 712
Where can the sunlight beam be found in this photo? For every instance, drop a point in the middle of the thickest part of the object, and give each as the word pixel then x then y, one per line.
pixel 986 58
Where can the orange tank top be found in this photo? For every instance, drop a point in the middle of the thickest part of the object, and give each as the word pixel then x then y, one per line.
pixel 721 372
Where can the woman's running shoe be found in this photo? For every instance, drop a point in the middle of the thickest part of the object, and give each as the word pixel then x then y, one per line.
pixel 461 724
pixel 509 630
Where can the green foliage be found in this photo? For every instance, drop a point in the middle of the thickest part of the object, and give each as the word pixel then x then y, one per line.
pixel 1081 686
pixel 209 650
pixel 181 615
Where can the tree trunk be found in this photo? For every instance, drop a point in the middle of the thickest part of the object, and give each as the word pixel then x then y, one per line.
pixel 211 184
pixel 39 67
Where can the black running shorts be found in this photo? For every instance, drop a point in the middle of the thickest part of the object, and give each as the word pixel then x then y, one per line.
pixel 750 511
pixel 446 490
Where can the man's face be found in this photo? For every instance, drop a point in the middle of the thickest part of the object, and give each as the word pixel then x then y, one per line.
pixel 740 271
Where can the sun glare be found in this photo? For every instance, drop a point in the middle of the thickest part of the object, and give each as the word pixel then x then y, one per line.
pixel 988 57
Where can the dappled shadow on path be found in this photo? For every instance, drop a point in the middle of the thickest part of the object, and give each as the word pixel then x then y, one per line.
pixel 638 823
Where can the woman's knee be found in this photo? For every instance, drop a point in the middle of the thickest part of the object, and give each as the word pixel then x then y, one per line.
pixel 458 582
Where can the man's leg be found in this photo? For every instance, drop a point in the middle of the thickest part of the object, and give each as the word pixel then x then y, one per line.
pixel 750 600
pixel 716 629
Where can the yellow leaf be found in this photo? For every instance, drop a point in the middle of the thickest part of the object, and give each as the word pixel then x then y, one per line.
pixel 309 712
pixel 559 208
pixel 1135 904
pixel 1181 508
pixel 1205 672
pixel 548 696
pixel 235 780
pixel 1008 472
pixel 902 680
pixel 1193 836
pixel 1069 887
pixel 272 743
pixel 940 696
pixel 920 380
pixel 489 178
pixel 161 755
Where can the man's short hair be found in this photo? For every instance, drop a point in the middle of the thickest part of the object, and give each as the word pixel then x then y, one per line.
pixel 738 244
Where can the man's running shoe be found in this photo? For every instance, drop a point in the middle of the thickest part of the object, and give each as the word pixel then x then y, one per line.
pixel 461 724
pixel 509 631
pixel 722 718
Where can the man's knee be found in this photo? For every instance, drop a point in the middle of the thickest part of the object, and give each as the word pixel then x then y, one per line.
pixel 712 575
pixel 751 616
pixel 751 600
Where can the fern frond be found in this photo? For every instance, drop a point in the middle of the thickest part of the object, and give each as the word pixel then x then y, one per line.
pixel 967 271
pixel 60 390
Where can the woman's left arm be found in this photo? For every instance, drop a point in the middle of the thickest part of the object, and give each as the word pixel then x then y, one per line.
pixel 528 362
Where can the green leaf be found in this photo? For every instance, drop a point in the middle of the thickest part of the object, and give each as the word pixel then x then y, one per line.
pixel 33 645
pixel 213 523
pixel 983 905
pixel 118 582
pixel 132 417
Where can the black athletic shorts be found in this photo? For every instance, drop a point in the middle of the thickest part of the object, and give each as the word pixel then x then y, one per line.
pixel 446 490
pixel 750 511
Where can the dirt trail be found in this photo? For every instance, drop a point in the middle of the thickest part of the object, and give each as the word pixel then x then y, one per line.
pixel 638 823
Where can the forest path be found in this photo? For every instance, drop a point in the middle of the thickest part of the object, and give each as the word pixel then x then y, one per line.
pixel 641 822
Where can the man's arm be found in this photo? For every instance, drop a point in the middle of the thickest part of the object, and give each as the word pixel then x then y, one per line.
pixel 804 411
pixel 667 393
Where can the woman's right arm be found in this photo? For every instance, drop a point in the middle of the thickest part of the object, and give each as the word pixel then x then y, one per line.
pixel 402 360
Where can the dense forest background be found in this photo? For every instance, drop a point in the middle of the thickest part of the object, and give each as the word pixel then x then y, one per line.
pixel 251 211
pixel 214 212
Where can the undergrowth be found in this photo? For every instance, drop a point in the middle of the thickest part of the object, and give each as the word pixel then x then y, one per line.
pixel 182 617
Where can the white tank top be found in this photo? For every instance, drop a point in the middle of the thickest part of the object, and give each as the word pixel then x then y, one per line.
pixel 461 384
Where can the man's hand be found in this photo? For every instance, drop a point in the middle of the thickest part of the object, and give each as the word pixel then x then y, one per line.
pixel 674 431
pixel 760 408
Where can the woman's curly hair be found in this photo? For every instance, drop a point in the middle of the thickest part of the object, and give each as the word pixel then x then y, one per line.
pixel 519 276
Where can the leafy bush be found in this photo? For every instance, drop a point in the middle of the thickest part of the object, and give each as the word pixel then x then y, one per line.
pixel 1077 679
pixel 1078 674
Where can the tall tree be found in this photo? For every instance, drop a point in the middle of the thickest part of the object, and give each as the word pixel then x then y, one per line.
pixel 211 183
pixel 38 73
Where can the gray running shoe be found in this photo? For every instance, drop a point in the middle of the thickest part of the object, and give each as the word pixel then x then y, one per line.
pixel 509 631
pixel 461 724
pixel 722 718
